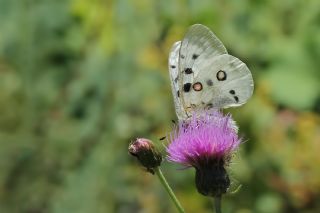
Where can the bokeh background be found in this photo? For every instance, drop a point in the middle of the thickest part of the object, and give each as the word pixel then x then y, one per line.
pixel 80 79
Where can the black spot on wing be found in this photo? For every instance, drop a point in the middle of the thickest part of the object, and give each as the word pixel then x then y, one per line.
pixel 188 71
pixel 209 82
pixel 236 98
pixel 178 94
pixel 195 56
pixel 182 56
pixel 232 92
pixel 186 87
pixel 173 66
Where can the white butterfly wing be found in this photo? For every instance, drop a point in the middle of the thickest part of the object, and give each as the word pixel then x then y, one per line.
pixel 225 82
pixel 199 44
pixel 199 41
pixel 174 76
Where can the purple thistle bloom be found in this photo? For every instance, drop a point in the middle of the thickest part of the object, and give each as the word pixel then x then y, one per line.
pixel 205 142
pixel 208 135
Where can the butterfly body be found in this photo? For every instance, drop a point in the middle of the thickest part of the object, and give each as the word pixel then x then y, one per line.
pixel 203 75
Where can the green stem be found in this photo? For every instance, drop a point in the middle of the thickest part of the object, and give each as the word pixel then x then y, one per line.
pixel 217 204
pixel 168 189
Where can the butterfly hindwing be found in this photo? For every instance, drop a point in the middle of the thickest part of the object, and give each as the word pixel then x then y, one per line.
pixel 226 81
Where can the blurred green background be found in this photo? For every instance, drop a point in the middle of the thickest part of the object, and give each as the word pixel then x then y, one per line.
pixel 80 79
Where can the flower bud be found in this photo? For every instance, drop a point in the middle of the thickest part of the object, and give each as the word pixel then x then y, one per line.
pixel 146 153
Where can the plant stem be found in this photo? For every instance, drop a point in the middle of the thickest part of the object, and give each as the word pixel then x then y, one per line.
pixel 217 203
pixel 168 189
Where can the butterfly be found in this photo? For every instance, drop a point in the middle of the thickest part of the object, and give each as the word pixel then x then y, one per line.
pixel 203 75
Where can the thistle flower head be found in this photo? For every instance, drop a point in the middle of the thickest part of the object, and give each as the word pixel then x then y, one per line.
pixel 205 142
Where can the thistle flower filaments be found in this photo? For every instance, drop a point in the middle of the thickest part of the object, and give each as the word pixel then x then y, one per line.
pixel 146 153
pixel 206 142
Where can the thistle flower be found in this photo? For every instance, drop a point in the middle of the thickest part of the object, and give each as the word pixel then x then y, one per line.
pixel 206 142
pixel 146 153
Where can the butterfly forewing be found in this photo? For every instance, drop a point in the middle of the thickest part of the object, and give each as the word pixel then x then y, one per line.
pixel 199 41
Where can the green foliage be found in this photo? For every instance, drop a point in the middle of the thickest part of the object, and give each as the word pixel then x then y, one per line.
pixel 79 79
